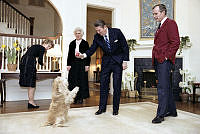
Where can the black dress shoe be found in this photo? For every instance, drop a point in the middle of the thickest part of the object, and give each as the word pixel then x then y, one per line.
pixel 100 111
pixel 32 106
pixel 171 114
pixel 157 119
pixel 115 113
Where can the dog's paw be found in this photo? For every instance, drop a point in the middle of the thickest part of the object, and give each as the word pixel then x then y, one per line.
pixel 74 92
pixel 76 89
pixel 62 125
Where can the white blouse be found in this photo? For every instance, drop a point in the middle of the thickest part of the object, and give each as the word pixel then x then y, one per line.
pixel 78 42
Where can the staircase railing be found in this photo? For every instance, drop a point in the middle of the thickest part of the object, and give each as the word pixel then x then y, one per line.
pixel 8 40
pixel 14 18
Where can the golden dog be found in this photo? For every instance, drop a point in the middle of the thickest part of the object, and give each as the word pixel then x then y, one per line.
pixel 61 100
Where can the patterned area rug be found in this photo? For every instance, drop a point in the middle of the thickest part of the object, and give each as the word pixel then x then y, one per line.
pixel 133 118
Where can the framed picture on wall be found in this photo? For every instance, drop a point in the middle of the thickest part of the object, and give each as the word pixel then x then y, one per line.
pixel 148 25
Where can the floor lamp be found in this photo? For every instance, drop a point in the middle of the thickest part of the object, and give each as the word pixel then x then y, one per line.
pixel 55 53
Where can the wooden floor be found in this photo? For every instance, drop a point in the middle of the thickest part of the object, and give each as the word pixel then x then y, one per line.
pixel 21 106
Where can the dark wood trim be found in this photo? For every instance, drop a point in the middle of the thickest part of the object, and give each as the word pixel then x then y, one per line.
pixel 40 75
pixel 31 25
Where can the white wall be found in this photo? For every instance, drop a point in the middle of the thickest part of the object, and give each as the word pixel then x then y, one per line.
pixel 187 20
pixel 194 32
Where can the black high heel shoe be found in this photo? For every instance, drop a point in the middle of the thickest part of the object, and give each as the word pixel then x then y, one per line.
pixel 32 106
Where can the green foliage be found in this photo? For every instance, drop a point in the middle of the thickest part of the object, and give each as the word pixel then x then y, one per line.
pixel 11 55
pixel 131 44
pixel 183 43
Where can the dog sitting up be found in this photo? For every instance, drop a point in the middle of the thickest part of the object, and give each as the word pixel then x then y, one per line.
pixel 61 100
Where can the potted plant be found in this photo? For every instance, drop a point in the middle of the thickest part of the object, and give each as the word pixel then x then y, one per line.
pixel 130 79
pixel 184 43
pixel 186 84
pixel 185 94
pixel 124 90
pixel 11 54
pixel 131 44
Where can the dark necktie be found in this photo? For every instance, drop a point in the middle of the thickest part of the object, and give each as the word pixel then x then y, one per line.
pixel 107 41
pixel 159 25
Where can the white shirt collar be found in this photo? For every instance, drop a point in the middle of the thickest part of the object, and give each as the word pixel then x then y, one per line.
pixel 163 20
pixel 78 42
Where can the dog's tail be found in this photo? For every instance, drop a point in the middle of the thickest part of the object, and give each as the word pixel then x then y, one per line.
pixel 76 89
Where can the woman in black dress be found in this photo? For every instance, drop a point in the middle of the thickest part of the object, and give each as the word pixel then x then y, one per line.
pixel 28 68
pixel 78 68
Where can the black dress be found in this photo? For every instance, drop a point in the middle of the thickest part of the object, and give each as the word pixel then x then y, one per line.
pixel 27 65
pixel 77 75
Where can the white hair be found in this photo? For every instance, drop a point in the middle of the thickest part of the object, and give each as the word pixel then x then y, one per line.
pixel 79 29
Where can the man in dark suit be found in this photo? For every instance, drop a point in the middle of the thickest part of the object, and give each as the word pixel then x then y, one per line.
pixel 166 44
pixel 114 60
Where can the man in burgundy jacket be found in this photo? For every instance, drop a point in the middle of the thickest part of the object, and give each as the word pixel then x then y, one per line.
pixel 166 44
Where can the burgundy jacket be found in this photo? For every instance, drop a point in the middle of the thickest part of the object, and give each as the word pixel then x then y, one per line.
pixel 166 42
